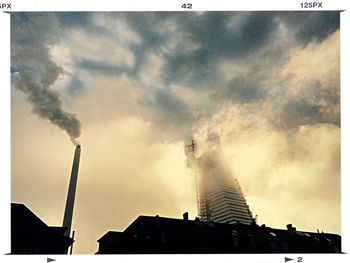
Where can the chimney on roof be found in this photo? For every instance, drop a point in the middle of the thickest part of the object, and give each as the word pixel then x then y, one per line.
pixel 291 229
pixel 185 216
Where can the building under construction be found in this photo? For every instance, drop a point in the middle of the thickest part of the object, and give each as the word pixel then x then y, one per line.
pixel 219 196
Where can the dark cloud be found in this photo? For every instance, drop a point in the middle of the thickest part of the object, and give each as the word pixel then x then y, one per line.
pixel 103 68
pixel 189 69
pixel 174 108
pixel 192 46
pixel 311 105
pixel 74 19
pixel 254 41
pixel 230 34
pixel 210 32
pixel 308 26
pixel 298 111
pixel 219 35
pixel 242 90
pixel 237 35
pixel 151 26
pixel 75 87
pixel 169 114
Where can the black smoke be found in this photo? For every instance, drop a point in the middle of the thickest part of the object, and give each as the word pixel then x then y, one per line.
pixel 34 72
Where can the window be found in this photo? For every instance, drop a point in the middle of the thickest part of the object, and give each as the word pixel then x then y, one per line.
pixel 211 225
pixel 235 241
pixel 234 232
pixel 273 245
pixel 163 237
pixel 252 241
pixel 285 246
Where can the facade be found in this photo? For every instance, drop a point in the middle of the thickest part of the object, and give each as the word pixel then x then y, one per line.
pixel 219 196
pixel 30 235
pixel 168 235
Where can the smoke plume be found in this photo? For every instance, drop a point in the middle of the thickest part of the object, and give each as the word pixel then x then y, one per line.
pixel 34 72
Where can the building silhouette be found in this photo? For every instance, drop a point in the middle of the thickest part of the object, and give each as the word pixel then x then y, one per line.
pixel 30 235
pixel 149 234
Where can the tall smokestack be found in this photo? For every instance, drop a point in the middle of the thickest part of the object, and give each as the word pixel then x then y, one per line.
pixel 68 213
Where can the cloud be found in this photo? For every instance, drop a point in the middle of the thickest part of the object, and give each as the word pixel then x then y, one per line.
pixel 242 57
pixel 279 169
pixel 289 91
pixel 243 90
pixel 150 72
pixel 169 114
pixel 99 48
pixel 107 97
pixel 115 26
pixel 75 87
pixel 311 26
pixel 318 91
pixel 250 32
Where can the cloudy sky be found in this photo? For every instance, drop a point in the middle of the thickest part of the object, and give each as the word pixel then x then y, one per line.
pixel 133 88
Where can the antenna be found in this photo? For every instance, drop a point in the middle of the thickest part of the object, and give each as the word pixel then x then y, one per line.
pixel 192 145
pixel 255 219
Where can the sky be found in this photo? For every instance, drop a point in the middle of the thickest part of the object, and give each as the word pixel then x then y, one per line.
pixel 133 88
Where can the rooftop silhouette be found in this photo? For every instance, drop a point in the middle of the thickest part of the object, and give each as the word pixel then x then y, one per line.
pixel 155 234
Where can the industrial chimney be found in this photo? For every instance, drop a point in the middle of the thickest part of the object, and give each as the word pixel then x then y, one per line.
pixel 68 213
